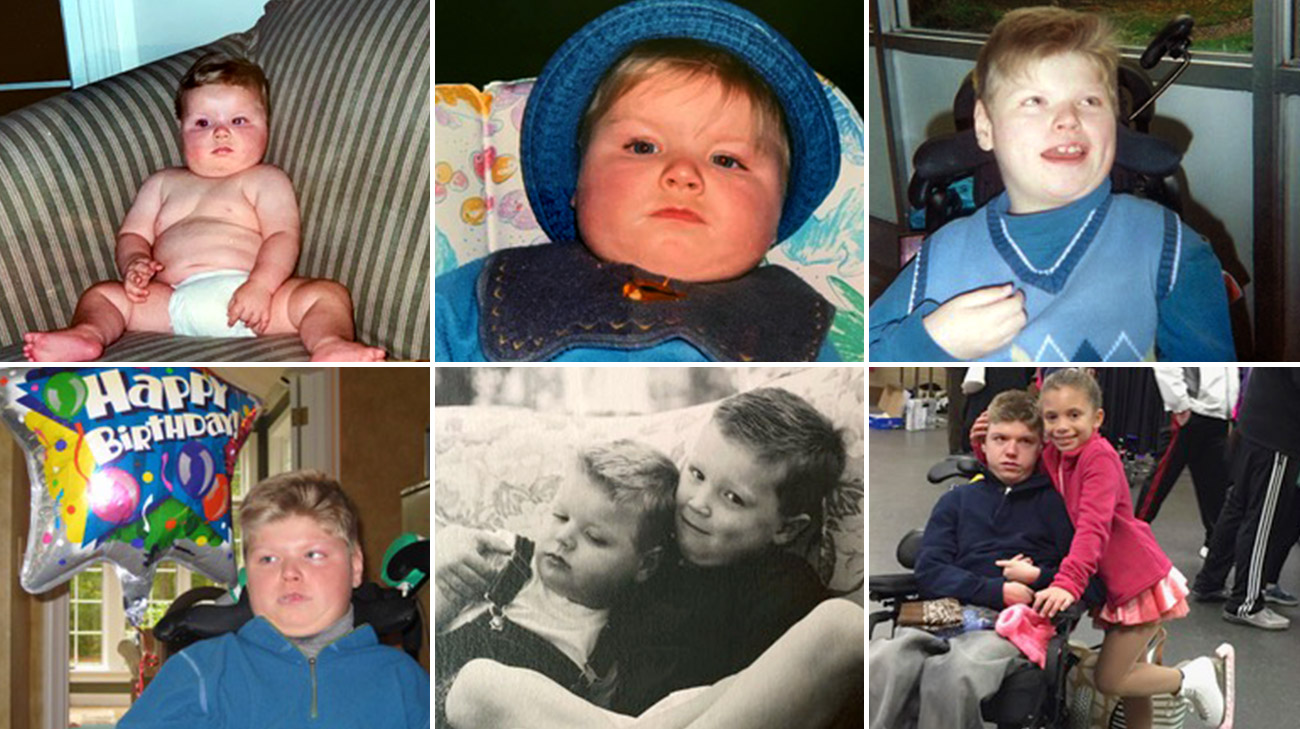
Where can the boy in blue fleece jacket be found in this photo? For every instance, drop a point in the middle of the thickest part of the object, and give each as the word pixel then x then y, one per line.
pixel 299 661
pixel 1056 268
pixel 992 543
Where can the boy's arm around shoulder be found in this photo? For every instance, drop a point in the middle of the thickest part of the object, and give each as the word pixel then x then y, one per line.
pixel 180 695
pixel 1193 323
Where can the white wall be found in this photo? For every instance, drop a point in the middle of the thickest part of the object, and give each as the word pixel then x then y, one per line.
pixel 1218 163
pixel 164 27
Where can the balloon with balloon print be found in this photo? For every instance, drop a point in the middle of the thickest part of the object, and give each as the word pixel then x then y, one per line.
pixel 128 465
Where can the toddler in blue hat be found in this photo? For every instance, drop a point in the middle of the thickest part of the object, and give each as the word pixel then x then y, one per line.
pixel 677 141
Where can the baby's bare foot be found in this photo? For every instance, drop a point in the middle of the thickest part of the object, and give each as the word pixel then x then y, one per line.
pixel 341 350
pixel 63 345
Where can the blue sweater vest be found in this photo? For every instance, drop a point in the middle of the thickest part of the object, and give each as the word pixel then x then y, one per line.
pixel 1095 301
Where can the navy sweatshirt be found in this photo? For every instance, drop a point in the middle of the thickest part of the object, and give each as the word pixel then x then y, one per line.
pixel 980 522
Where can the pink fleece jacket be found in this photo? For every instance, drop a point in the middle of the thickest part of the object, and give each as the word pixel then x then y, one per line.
pixel 1108 540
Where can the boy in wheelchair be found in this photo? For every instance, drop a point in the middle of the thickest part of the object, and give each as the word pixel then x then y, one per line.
pixel 1057 267
pixel 989 543
pixel 299 660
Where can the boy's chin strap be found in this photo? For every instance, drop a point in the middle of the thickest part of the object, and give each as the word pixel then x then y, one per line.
pixel 538 301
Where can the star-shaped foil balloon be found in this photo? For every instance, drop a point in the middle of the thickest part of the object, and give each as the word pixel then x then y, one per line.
pixel 130 465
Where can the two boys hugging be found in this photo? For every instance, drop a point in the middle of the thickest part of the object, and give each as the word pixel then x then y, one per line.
pixel 646 582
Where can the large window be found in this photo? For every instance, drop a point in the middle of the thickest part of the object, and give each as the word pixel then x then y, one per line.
pixel 1221 25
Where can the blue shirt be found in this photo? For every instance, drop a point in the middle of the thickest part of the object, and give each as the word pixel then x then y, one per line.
pixel 1107 277
pixel 256 678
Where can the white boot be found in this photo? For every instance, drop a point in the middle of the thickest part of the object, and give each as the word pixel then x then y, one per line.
pixel 1206 683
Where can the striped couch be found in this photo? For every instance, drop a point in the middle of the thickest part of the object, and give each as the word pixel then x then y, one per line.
pixel 349 93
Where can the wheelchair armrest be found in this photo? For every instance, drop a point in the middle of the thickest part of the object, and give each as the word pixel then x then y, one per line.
pixel 885 587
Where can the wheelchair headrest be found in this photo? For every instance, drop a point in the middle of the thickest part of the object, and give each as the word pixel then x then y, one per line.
pixel 952 467
pixel 956 155
pixel 384 609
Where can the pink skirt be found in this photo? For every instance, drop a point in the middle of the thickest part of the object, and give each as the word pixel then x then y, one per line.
pixel 1166 600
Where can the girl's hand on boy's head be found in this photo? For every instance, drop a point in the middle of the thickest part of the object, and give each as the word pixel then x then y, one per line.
pixel 1019 569
pixel 135 279
pixel 973 324
pixel 1052 600
pixel 1014 593
pixel 463 560
pixel 979 430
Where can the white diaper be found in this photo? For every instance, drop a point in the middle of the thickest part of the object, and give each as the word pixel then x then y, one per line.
pixel 200 304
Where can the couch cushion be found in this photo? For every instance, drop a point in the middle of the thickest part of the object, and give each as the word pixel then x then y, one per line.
pixel 70 166
pixel 153 347
pixel 498 467
pixel 350 124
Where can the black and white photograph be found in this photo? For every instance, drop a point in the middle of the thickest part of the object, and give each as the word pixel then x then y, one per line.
pixel 682 546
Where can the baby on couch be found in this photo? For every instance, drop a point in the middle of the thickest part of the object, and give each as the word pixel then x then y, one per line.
pixel 209 249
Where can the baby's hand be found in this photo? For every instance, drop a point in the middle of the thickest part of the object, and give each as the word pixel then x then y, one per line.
pixel 251 304
pixel 139 272
pixel 972 324
pixel 1019 569
pixel 464 560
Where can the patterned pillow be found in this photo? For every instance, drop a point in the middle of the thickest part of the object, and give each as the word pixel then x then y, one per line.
pixel 498 467
pixel 480 205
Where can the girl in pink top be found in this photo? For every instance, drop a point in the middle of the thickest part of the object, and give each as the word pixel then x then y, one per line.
pixel 1143 588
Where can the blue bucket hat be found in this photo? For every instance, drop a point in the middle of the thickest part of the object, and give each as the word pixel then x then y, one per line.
pixel 549 138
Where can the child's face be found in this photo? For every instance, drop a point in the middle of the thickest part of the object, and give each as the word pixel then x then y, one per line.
pixel 1012 449
pixel 1069 419
pixel 301 577
pixel 223 130
pixel 727 505
pixel 587 551
pixel 675 180
pixel 1052 130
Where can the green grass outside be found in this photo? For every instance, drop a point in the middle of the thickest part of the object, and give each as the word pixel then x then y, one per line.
pixel 1137 22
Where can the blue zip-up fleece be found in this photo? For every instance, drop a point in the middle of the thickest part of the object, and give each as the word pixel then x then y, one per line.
pixel 983 521
pixel 256 678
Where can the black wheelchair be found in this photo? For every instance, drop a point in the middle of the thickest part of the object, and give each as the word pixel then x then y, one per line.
pixel 392 611
pixel 1030 697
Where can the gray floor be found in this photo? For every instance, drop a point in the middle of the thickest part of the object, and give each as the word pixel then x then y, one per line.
pixel 1268 664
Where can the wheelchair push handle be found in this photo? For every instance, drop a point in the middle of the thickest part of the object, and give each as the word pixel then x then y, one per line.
pixel 1173 39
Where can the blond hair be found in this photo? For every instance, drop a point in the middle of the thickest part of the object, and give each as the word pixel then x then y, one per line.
pixel 1028 35
pixel 1016 406
pixel 301 493
pixel 690 59
pixel 638 477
